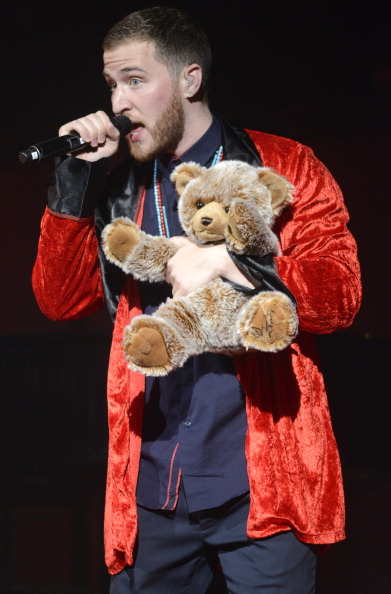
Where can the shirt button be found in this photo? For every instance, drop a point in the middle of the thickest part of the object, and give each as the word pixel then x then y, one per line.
pixel 187 423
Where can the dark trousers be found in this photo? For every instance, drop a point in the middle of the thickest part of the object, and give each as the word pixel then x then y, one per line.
pixel 181 552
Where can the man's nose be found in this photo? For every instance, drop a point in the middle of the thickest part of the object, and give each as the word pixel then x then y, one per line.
pixel 120 101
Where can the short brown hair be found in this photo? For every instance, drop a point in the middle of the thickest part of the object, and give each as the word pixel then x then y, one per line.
pixel 179 40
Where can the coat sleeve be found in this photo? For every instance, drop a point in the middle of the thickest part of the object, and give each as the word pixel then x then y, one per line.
pixel 318 260
pixel 66 276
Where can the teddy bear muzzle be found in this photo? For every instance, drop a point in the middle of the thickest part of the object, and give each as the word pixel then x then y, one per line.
pixel 210 222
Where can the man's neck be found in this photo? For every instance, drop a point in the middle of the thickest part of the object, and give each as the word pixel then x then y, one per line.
pixel 197 121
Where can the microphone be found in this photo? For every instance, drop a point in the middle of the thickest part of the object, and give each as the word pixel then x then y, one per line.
pixel 62 145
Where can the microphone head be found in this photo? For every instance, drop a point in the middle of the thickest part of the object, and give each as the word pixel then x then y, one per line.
pixel 123 124
pixel 28 155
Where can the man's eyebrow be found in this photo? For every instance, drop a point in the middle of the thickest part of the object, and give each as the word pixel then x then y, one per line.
pixel 124 70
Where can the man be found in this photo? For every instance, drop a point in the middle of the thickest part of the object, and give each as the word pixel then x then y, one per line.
pixel 226 459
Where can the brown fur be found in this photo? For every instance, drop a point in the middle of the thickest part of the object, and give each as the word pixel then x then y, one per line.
pixel 232 202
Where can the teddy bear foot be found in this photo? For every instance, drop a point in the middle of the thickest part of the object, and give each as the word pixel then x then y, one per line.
pixel 269 323
pixel 152 347
pixel 146 348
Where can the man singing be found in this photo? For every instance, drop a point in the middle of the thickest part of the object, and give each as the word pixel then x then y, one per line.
pixel 228 464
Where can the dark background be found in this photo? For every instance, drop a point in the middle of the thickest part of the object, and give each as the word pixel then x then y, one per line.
pixel 317 72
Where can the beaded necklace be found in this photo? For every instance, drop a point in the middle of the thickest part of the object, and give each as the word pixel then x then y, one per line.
pixel 157 192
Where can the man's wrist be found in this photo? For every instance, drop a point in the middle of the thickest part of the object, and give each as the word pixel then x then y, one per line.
pixel 231 271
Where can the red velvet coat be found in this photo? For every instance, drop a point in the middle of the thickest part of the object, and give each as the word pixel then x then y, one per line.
pixel 293 463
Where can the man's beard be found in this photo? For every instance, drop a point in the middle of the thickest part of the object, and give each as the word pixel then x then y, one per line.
pixel 167 132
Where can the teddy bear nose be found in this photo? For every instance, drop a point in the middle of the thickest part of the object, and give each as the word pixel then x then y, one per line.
pixel 206 221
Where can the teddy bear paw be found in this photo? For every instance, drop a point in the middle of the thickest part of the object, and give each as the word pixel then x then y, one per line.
pixel 247 231
pixel 270 322
pixel 119 239
pixel 238 217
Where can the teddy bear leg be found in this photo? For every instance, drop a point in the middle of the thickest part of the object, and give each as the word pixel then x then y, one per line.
pixel 269 322
pixel 119 239
pixel 152 346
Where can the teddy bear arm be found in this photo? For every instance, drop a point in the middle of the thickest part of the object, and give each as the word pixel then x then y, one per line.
pixel 135 252
pixel 247 231
pixel 148 260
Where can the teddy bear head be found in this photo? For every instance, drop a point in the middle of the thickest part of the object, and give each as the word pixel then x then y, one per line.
pixel 205 195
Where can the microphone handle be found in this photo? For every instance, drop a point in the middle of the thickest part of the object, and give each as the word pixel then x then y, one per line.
pixel 52 148
pixel 69 143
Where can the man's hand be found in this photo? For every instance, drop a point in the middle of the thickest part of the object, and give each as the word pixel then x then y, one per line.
pixel 195 265
pixel 98 130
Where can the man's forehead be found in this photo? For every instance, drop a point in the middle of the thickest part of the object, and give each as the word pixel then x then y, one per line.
pixel 135 55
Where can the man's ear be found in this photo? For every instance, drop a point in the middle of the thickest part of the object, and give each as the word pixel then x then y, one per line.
pixel 191 80
pixel 185 173
pixel 280 188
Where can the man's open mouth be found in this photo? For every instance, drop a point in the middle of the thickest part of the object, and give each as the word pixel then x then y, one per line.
pixel 136 130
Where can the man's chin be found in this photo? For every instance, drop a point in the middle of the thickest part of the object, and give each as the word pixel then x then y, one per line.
pixel 139 152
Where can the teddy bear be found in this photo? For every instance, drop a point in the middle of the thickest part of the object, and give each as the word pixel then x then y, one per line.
pixel 231 202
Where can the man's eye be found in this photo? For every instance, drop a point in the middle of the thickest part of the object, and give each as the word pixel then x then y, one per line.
pixel 199 204
pixel 112 85
pixel 134 82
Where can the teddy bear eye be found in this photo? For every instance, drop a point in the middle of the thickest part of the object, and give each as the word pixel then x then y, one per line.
pixel 226 208
pixel 199 204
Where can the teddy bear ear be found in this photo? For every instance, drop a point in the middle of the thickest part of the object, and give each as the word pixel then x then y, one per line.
pixel 183 174
pixel 280 188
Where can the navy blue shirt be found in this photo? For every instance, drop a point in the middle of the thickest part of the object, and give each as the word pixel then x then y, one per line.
pixel 194 420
